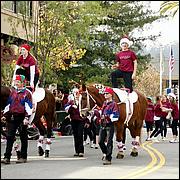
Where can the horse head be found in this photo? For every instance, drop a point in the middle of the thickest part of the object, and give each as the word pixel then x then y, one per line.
pixel 89 98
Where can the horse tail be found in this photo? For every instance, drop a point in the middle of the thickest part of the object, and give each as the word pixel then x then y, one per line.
pixel 54 121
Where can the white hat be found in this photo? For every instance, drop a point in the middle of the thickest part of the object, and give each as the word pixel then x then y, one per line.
pixel 126 40
pixel 172 95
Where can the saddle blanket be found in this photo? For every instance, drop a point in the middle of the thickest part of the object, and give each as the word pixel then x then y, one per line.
pixel 128 99
pixel 37 96
pixel 123 95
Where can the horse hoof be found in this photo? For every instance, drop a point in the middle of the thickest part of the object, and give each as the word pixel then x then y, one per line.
pixel 120 156
pixel 41 151
pixel 134 154
pixel 46 153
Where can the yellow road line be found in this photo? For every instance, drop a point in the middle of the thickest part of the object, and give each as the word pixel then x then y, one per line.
pixel 152 166
pixel 159 165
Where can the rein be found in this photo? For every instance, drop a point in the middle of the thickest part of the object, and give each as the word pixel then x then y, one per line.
pixel 88 102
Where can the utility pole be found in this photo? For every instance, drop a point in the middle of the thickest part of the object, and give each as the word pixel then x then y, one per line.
pixel 170 70
pixel 160 70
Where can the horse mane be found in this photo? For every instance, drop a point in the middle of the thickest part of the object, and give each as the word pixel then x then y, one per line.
pixel 94 92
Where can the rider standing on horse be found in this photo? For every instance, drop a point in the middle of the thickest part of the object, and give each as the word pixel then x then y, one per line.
pixel 110 114
pixel 16 114
pixel 126 65
pixel 27 65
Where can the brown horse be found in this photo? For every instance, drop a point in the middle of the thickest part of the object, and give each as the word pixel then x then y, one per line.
pixel 45 108
pixel 91 96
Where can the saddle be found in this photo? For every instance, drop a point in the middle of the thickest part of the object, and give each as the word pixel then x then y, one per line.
pixel 37 96
pixel 128 99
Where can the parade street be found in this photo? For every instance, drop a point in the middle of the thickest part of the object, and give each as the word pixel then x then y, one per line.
pixel 155 161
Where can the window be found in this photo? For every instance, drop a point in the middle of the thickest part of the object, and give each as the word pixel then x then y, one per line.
pixel 24 7
pixel 19 7
pixel 8 5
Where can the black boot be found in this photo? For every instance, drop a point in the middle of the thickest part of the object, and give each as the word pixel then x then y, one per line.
pixel 18 153
pixel 46 153
pixel 40 151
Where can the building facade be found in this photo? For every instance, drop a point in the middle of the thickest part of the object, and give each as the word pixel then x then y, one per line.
pixel 19 22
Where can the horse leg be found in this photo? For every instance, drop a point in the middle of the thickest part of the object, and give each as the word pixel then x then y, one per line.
pixel 136 141
pixel 119 138
pixel 40 141
pixel 48 118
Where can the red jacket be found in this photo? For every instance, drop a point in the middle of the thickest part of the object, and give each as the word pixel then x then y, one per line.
pixel 175 111
pixel 158 110
pixel 150 112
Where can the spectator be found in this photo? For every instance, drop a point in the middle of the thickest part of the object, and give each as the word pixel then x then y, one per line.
pixel 149 118
pixel 157 120
pixel 175 117
pixel 165 109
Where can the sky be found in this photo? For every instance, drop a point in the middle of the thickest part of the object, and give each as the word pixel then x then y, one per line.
pixel 169 29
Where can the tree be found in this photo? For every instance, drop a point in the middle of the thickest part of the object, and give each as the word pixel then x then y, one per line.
pixel 80 38
pixel 121 17
pixel 63 44
pixel 169 7
pixel 147 82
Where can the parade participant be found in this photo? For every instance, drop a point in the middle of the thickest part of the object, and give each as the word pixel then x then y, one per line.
pixel 77 125
pixel 165 109
pixel 175 117
pixel 126 65
pixel 88 129
pixel 149 118
pixel 27 65
pixel 157 120
pixel 161 110
pixel 110 114
pixel 16 114
pixel 95 124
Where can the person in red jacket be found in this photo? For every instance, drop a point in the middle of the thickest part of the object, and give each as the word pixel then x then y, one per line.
pixel 175 117
pixel 149 118
pixel 162 108
pixel 165 109
pixel 157 120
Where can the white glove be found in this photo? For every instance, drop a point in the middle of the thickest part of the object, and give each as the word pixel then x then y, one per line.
pixel 26 121
pixel 74 106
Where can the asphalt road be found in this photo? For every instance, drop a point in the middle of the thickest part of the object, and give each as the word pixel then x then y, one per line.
pixel 155 161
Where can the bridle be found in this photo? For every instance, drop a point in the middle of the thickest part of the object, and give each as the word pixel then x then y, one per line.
pixel 87 108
